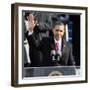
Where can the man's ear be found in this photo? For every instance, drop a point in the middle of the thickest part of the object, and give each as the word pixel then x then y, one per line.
pixel 52 30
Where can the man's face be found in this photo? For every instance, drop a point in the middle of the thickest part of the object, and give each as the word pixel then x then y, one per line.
pixel 58 31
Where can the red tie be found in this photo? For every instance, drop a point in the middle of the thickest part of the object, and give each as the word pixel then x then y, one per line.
pixel 57 46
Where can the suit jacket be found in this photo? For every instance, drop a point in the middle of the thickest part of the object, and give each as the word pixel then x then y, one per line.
pixel 45 46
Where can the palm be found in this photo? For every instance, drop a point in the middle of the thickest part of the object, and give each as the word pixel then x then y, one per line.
pixel 31 22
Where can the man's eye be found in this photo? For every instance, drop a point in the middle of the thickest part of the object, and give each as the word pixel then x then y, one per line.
pixel 59 30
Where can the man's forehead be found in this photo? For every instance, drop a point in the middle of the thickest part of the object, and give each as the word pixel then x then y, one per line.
pixel 59 27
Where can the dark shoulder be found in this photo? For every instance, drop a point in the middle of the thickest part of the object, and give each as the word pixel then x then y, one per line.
pixel 69 44
pixel 46 39
pixel 66 43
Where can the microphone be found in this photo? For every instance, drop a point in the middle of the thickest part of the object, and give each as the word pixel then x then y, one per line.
pixel 53 53
pixel 58 54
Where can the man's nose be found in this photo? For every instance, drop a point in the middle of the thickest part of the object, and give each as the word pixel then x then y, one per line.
pixel 58 32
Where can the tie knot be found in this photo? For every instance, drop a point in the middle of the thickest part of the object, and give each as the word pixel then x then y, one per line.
pixel 57 43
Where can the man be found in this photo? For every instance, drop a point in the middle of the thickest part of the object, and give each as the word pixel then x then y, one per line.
pixel 31 23
pixel 56 51
pixel 34 54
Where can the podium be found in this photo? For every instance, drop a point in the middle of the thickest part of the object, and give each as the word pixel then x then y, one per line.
pixel 49 71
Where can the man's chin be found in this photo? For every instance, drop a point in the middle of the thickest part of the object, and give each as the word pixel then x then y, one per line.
pixel 58 38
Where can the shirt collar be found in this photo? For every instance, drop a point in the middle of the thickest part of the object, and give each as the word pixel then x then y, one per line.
pixel 59 41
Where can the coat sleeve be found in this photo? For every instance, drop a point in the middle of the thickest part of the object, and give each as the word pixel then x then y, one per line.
pixel 34 41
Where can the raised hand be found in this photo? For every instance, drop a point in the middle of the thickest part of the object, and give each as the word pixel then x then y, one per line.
pixel 31 22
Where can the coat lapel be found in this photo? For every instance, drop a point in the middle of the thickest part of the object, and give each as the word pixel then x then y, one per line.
pixel 63 49
pixel 52 44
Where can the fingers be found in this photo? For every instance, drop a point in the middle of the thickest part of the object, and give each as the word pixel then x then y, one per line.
pixel 31 18
pixel 31 22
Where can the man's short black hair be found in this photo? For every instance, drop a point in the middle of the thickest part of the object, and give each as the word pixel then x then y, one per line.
pixel 26 14
pixel 57 23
